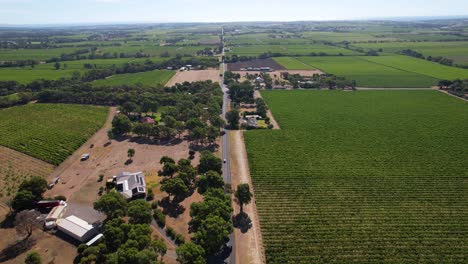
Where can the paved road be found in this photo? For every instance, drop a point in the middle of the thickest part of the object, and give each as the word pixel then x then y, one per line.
pixel 226 150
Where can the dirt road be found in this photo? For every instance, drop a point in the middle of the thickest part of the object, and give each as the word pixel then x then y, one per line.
pixel 249 245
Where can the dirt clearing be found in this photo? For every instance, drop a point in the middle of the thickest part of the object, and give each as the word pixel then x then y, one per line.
pixel 249 245
pixel 194 76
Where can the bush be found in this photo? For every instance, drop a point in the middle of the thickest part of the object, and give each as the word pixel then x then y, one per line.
pixel 33 258
pixel 154 204
pixel 170 232
pixel 101 177
pixel 150 195
pixel 191 152
pixel 179 239
pixel 60 197
pixel 160 218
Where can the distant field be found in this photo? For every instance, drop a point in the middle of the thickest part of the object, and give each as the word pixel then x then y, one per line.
pixel 456 50
pixel 369 74
pixel 255 50
pixel 27 75
pixel 33 54
pixel 362 177
pixel 146 78
pixel 291 63
pixel 49 132
pixel 154 50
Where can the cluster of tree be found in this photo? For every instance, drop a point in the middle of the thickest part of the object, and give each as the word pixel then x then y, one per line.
pixel 437 59
pixel 261 106
pixel 15 99
pixel 29 192
pixel 123 243
pixel 457 87
pixel 241 92
pixel 318 81
pixel 75 55
pixel 18 63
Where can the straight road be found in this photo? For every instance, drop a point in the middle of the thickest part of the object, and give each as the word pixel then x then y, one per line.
pixel 231 259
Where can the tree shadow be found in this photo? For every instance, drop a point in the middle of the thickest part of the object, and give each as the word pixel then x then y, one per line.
pixel 128 162
pixel 242 221
pixel 9 221
pixel 16 249
pixel 197 147
pixel 171 208
pixel 220 257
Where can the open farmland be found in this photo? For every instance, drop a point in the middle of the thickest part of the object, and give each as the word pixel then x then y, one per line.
pixel 33 54
pixel 150 78
pixel 307 49
pixel 49 132
pixel 27 74
pixel 369 74
pixel 362 177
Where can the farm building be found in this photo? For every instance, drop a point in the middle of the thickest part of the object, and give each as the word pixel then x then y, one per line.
pixel 131 185
pixel 56 213
pixel 147 120
pixel 77 228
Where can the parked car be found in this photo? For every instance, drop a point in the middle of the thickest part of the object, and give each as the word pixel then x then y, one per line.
pixel 84 157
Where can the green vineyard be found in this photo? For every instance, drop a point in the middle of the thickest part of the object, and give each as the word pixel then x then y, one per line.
pixel 362 177
pixel 50 132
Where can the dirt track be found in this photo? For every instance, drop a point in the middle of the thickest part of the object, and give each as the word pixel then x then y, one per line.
pixel 194 76
pixel 249 245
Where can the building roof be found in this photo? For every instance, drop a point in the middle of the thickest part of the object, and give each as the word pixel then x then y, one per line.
pixel 75 225
pixel 147 120
pixel 131 184
pixel 56 212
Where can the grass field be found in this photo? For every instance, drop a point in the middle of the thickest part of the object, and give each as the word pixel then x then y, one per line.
pixel 33 54
pixel 456 50
pixel 27 74
pixel 369 74
pixel 49 132
pixel 150 78
pixel 256 50
pixel 362 177
pixel 291 63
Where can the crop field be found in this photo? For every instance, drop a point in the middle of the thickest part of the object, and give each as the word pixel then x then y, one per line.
pixel 369 74
pixel 292 63
pixel 154 50
pixel 456 50
pixel 49 132
pixel 362 177
pixel 150 78
pixel 27 74
pixel 256 50
pixel 33 54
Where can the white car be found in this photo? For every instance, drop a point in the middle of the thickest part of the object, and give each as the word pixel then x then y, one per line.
pixel 84 157
pixel 225 160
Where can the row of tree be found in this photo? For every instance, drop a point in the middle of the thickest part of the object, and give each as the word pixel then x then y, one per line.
pixel 437 59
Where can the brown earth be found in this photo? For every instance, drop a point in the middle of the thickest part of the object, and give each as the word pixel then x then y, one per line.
pixel 194 76
pixel 14 168
pixel 249 245
pixel 255 64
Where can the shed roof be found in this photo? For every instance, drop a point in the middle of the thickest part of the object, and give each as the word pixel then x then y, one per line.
pixel 75 225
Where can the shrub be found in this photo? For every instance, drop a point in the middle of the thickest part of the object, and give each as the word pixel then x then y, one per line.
pixel 150 195
pixel 179 239
pixel 33 258
pixel 60 197
pixel 160 218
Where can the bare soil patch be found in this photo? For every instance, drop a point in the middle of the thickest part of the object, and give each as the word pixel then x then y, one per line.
pixel 194 76
pixel 255 64
pixel 249 245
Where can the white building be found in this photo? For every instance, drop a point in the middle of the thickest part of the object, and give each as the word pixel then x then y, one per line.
pixel 77 228
pixel 131 185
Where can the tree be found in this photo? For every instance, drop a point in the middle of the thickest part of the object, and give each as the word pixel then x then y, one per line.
pixel 130 153
pixel 160 247
pixel 33 258
pixel 243 195
pixel 209 162
pixel 23 200
pixel 190 253
pixel 121 125
pixel 26 222
pixel 169 169
pixel 139 212
pixel 211 179
pixel 57 65
pixel 233 118
pixel 112 204
pixel 36 185
pixel 130 107
pixel 166 159
pixel 174 187
pixel 213 233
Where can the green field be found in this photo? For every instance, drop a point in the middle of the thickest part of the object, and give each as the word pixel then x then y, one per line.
pixel 292 63
pixel 27 74
pixel 256 50
pixel 150 78
pixel 369 74
pixel 33 54
pixel 456 50
pixel 362 177
pixel 50 132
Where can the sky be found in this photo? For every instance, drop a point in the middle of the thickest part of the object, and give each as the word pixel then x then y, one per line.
pixel 115 11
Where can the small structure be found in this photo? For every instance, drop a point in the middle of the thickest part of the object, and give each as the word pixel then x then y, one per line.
pixel 92 241
pixel 56 213
pixel 49 203
pixel 251 120
pixel 77 228
pixel 147 120
pixel 183 69
pixel 169 68
pixel 131 185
